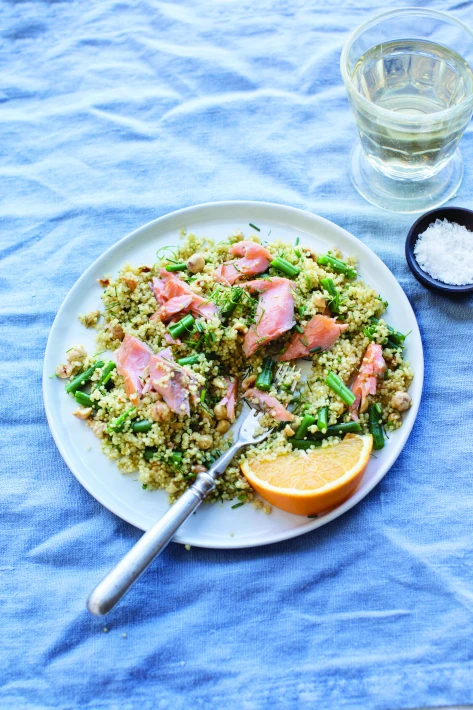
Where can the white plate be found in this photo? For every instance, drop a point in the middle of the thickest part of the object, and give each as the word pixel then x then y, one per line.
pixel 215 526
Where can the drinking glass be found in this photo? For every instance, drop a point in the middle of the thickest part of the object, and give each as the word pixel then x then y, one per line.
pixel 409 78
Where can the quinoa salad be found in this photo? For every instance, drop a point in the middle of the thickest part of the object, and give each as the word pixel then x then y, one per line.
pixel 183 342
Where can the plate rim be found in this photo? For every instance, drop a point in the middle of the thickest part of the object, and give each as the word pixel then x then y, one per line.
pixel 284 534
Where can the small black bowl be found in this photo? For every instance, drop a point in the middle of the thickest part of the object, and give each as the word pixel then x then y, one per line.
pixel 461 216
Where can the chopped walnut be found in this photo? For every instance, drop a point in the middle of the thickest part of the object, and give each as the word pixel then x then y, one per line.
pixel 319 302
pixel 64 371
pixel 131 281
pixel 99 429
pixel 104 282
pixel 115 330
pixel 145 269
pixel 83 412
pixel 248 382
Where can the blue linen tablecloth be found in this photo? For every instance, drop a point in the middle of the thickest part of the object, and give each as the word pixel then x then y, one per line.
pixel 112 114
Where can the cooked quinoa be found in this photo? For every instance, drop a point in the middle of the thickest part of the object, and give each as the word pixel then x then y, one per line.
pixel 169 449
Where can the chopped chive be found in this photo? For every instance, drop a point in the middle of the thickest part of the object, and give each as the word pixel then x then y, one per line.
pixel 296 242
pixel 176 267
pixel 144 486
pixel 315 350
pixel 238 505
pixel 189 360
pixel 337 265
pixel 379 408
pixel 255 227
pixel 178 328
pixel 285 267
pixel 298 328
pixel 83 378
pixel 189 476
pixel 335 384
pixel 202 395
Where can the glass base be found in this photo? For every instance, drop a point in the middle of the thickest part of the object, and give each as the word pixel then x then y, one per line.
pixel 405 195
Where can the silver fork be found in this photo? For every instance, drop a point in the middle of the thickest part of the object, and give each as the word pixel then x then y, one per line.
pixel 119 580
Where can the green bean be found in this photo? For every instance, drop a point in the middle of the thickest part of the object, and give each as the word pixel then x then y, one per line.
pixel 83 378
pixel 149 452
pixel 106 374
pixel 304 444
pixel 322 419
pixel 119 423
pixel 334 302
pixel 235 297
pixel 374 421
pixel 176 458
pixel 176 267
pixel 178 328
pixel 142 426
pixel 83 398
pixel 335 384
pixel 285 267
pixel 307 421
pixel 264 379
pixel 189 360
pixel 337 265
pixel 342 429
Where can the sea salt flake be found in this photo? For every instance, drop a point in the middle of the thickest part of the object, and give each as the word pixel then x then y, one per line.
pixel 445 251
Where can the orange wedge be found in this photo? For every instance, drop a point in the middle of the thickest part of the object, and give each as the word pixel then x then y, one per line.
pixel 306 483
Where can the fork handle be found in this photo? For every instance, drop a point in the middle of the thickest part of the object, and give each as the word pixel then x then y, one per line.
pixel 130 568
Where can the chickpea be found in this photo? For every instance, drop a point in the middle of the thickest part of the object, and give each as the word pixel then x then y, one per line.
pixel 195 263
pixel 76 353
pixel 220 411
pixel 64 371
pixel 204 442
pixel 219 383
pixel 83 412
pixel 99 429
pixel 90 319
pixel 223 426
pixel 248 382
pixel 288 430
pixel 401 401
pixel 394 417
pixel 160 412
